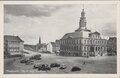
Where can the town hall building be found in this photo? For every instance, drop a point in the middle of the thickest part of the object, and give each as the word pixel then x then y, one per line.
pixel 82 42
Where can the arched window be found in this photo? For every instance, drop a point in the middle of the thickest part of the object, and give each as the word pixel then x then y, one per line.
pixel 80 48
pixel 75 41
pixel 84 48
pixel 84 41
pixel 97 42
pixel 88 41
pixel 87 48
pixel 72 41
pixel 78 42
pixel 96 48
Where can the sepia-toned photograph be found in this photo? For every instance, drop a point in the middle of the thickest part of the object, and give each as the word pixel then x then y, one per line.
pixel 60 39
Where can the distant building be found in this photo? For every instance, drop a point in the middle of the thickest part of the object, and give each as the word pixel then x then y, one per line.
pixel 13 45
pixel 50 47
pixel 82 42
pixel 41 47
pixel 112 46
pixel 53 47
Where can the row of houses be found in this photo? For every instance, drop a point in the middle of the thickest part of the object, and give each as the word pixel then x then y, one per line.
pixel 14 45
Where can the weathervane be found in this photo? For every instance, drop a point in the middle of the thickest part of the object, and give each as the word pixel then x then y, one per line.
pixel 83 6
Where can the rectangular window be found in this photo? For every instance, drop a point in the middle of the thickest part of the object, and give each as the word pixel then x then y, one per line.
pixel 80 41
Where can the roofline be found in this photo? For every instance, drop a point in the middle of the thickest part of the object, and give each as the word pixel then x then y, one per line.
pixel 14 36
pixel 83 38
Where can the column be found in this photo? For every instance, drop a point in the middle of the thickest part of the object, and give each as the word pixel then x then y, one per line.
pixel 95 50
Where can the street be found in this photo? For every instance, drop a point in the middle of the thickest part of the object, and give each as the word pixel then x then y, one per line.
pixel 94 65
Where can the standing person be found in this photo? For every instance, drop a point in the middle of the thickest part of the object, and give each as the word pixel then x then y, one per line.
pixel 84 63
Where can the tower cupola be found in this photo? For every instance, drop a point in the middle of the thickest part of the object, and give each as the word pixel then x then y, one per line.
pixel 82 22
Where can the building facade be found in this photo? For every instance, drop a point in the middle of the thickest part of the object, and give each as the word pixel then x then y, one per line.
pixel 82 42
pixel 112 46
pixel 52 47
pixel 13 45
pixel 41 47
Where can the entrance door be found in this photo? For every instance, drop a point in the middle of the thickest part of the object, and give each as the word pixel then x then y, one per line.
pixel 91 53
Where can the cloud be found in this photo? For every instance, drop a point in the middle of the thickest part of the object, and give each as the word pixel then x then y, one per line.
pixel 110 29
pixel 31 10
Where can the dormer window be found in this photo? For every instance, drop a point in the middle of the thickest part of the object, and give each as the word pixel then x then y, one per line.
pixel 70 37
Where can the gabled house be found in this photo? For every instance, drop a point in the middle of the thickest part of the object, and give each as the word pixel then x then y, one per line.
pixel 13 45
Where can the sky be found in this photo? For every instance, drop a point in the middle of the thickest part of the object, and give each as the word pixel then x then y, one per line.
pixel 51 22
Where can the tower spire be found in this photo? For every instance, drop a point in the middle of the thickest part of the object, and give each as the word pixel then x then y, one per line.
pixel 39 40
pixel 83 6
pixel 82 22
